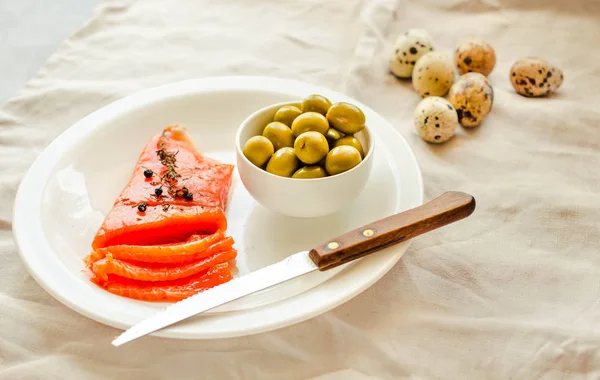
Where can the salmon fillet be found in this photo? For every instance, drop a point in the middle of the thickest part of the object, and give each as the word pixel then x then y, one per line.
pixel 164 238
pixel 193 194
pixel 166 291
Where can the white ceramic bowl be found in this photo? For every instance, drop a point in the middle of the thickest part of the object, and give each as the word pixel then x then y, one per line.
pixel 300 198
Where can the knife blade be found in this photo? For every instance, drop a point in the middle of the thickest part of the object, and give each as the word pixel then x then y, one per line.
pixel 445 209
pixel 293 266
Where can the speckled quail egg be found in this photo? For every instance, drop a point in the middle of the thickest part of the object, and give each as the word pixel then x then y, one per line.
pixel 472 96
pixel 435 119
pixel 474 55
pixel 433 74
pixel 408 49
pixel 532 76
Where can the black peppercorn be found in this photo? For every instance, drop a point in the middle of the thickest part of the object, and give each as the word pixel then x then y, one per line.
pixel 182 193
pixel 148 173
pixel 142 207
pixel 158 191
pixel 189 196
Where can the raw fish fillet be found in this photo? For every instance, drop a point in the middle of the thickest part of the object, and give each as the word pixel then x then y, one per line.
pixel 164 238
pixel 175 165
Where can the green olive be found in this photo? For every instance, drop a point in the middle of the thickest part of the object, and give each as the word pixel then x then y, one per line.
pixel 258 150
pixel 346 117
pixel 351 141
pixel 342 158
pixel 310 121
pixel 279 134
pixel 310 172
pixel 333 134
pixel 310 147
pixel 316 103
pixel 287 114
pixel 283 162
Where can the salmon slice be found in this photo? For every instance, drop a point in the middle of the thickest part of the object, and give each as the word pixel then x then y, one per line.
pixel 166 291
pixel 127 226
pixel 191 250
pixel 174 192
pixel 224 245
pixel 157 272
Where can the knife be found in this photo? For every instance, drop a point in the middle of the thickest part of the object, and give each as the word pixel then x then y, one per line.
pixel 445 209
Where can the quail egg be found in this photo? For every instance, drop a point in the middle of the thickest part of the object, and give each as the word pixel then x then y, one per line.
pixel 433 74
pixel 532 76
pixel 472 96
pixel 435 119
pixel 408 49
pixel 475 55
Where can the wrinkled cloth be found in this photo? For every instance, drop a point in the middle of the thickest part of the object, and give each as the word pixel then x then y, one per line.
pixel 511 292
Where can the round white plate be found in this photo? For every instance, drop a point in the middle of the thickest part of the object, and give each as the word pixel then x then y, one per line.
pixel 63 198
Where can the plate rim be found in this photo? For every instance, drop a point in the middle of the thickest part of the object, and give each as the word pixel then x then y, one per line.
pixel 89 123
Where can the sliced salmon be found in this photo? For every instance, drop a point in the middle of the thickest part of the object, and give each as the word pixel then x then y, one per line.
pixel 167 291
pixel 164 238
pixel 170 253
pixel 100 253
pixel 174 192
pixel 126 225
pixel 223 245
pixel 158 272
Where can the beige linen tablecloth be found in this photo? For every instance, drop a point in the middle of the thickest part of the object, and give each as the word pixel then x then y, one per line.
pixel 512 292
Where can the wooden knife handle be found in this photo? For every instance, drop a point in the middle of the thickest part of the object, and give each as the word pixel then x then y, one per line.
pixel 445 209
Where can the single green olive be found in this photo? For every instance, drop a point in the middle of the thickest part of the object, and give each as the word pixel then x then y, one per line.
pixel 346 117
pixel 279 134
pixel 342 158
pixel 258 150
pixel 287 114
pixel 310 172
pixel 283 162
pixel 333 134
pixel 310 147
pixel 351 141
pixel 316 103
pixel 310 121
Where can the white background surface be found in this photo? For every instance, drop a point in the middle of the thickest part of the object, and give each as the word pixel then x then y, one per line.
pixel 30 30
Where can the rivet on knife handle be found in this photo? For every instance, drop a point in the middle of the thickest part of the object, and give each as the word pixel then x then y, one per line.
pixel 443 210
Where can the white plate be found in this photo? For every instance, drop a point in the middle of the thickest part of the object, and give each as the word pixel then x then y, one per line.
pixel 66 193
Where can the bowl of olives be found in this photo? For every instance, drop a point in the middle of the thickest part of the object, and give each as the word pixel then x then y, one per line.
pixel 307 158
